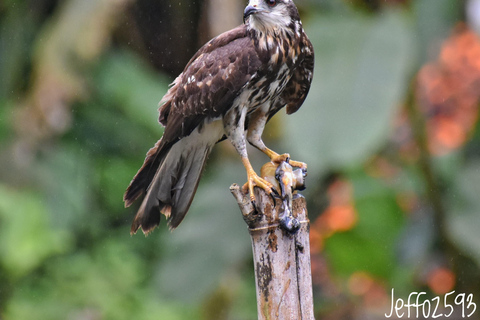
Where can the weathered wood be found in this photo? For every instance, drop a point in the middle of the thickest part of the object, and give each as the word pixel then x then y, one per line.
pixel 281 258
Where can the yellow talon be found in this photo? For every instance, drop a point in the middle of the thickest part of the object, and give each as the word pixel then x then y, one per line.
pixel 298 164
pixel 253 180
pixel 279 158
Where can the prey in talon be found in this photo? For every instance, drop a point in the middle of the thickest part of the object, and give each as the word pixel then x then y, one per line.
pixel 228 90
pixel 286 180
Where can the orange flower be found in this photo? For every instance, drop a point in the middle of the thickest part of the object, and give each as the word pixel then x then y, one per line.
pixel 448 92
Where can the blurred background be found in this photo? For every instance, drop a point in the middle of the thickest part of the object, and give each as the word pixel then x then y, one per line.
pixel 390 133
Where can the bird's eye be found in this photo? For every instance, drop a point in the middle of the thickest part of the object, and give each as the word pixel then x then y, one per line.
pixel 271 3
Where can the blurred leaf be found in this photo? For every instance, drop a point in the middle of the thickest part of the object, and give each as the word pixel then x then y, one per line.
pixel 78 32
pixel 463 220
pixel 16 37
pixel 246 303
pixel 26 239
pixel 103 131
pixel 211 240
pixel 434 21
pixel 128 83
pixel 108 283
pixel 65 176
pixel 371 245
pixel 5 119
pixel 417 238
pixel 362 70
pixel 114 175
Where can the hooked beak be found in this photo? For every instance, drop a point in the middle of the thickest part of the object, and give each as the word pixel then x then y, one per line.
pixel 249 10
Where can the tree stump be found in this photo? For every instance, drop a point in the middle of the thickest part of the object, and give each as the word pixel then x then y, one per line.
pixel 281 256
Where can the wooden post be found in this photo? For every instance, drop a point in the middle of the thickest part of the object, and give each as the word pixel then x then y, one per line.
pixel 281 257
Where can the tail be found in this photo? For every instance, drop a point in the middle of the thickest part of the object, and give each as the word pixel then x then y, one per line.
pixel 170 177
pixel 144 176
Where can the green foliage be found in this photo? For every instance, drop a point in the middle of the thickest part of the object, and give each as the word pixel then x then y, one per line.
pixel 6 110
pixel 65 248
pixel 93 284
pixel 15 45
pixel 126 82
pixel 371 245
pixel 195 254
pixel 68 207
pixel 362 69
pixel 26 239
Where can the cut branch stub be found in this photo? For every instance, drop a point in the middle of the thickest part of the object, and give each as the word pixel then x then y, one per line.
pixel 281 257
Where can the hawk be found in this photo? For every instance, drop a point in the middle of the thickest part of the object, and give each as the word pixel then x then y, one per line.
pixel 228 90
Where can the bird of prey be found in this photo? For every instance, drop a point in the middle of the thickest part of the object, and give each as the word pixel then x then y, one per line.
pixel 228 90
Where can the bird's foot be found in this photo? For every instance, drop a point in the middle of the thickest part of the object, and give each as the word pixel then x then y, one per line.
pixel 279 158
pixel 255 181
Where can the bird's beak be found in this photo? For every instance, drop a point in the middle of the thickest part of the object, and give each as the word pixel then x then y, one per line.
pixel 249 10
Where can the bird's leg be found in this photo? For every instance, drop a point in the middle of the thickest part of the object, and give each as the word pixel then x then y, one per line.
pixel 234 123
pixel 254 136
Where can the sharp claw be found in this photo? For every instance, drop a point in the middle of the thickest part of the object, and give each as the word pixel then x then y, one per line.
pixel 254 204
pixel 273 198
pixel 276 192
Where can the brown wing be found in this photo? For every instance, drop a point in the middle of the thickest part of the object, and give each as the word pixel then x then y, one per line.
pixel 210 83
pixel 207 87
pixel 297 88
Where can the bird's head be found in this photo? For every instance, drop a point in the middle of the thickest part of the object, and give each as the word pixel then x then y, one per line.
pixel 268 16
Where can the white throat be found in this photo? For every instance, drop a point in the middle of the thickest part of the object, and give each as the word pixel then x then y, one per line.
pixel 269 20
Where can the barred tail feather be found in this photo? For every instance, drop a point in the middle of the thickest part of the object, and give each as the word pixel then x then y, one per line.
pixel 173 186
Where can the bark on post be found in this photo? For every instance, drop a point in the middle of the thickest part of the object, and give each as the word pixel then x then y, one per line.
pixel 281 258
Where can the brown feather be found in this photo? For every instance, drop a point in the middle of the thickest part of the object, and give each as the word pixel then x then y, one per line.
pixel 145 174
pixel 299 85
pixel 187 104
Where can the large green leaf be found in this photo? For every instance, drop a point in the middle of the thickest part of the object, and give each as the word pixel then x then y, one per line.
pixel 362 68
